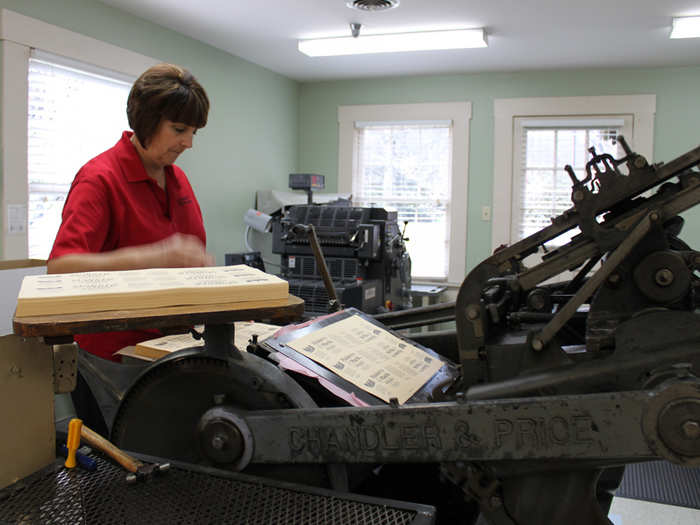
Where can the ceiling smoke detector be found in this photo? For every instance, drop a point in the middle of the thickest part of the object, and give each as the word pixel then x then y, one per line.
pixel 372 5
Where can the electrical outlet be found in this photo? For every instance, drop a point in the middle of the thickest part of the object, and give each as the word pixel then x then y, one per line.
pixel 486 213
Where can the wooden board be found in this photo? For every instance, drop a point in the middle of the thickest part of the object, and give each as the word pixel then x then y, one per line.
pixel 281 311
pixel 21 263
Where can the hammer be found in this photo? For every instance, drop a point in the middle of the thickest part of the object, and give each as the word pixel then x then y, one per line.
pixel 137 469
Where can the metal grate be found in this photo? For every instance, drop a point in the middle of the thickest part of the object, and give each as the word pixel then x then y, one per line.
pixel 188 495
pixel 313 293
pixel 334 224
pixel 662 482
pixel 340 269
pixel 372 5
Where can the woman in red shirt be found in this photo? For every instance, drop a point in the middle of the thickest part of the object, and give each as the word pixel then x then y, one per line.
pixel 131 207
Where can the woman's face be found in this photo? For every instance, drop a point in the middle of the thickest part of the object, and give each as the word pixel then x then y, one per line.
pixel 169 140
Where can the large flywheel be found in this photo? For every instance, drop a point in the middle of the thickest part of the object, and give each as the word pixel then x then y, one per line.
pixel 162 412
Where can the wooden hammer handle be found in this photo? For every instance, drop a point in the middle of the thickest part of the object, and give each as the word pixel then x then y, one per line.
pixel 93 439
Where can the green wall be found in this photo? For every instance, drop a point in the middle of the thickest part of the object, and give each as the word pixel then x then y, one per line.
pixel 263 126
pixel 676 124
pixel 250 141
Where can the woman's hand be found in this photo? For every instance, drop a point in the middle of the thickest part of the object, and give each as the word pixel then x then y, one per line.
pixel 177 251
pixel 180 251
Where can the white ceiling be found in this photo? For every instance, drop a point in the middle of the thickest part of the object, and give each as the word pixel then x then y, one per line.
pixel 522 34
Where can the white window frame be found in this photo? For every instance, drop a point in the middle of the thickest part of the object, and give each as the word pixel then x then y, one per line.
pixel 19 35
pixel 642 108
pixel 460 115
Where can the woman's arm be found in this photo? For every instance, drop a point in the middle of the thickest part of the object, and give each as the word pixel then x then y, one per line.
pixel 177 251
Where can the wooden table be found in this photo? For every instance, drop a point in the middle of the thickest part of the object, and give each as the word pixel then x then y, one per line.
pixel 61 328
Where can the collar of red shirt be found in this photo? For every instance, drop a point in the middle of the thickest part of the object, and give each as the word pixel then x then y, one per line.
pixel 130 162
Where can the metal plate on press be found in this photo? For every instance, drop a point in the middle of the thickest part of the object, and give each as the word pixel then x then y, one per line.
pixel 444 377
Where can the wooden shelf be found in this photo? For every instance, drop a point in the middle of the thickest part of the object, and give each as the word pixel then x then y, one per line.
pixel 282 311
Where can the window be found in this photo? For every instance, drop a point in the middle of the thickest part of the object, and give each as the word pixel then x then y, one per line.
pixel 406 167
pixel 72 116
pixel 541 186
pixel 412 159
pixel 24 38
pixel 534 138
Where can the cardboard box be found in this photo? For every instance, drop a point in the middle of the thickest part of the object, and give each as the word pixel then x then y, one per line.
pixel 11 275
pixel 27 440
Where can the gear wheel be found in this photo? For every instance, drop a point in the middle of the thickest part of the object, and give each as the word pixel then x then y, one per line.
pixel 160 411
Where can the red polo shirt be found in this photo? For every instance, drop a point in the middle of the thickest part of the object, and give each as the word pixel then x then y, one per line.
pixel 113 203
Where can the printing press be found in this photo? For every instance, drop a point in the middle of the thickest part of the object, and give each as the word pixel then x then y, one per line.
pixel 546 390
pixel 364 251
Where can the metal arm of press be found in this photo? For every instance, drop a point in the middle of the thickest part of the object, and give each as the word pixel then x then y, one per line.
pixel 308 229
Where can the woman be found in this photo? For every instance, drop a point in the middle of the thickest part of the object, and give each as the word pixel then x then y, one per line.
pixel 130 207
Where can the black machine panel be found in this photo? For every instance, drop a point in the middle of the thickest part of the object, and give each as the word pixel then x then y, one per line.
pixel 253 259
pixel 364 250
pixel 363 295
pixel 306 181
pixel 340 268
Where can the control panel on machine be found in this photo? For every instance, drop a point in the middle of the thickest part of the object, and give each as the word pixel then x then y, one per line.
pixel 307 182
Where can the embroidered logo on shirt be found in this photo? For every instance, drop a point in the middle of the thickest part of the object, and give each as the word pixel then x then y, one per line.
pixel 184 200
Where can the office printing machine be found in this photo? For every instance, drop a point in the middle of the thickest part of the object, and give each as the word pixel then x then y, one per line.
pixel 364 250
pixel 546 391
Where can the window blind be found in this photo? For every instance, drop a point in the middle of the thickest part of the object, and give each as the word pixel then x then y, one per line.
pixel 407 167
pixel 73 115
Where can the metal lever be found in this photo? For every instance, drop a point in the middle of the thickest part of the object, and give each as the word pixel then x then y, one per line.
pixel 403 232
pixel 333 302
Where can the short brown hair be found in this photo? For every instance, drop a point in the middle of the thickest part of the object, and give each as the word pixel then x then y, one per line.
pixel 165 91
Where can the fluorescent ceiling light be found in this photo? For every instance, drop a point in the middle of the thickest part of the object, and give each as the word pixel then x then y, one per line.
pixel 686 27
pixel 364 44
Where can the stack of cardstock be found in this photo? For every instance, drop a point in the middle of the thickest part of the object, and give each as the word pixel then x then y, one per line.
pixel 72 293
pixel 156 348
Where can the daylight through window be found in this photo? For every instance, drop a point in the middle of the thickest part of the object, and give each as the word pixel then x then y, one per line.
pixel 72 116
pixel 407 167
